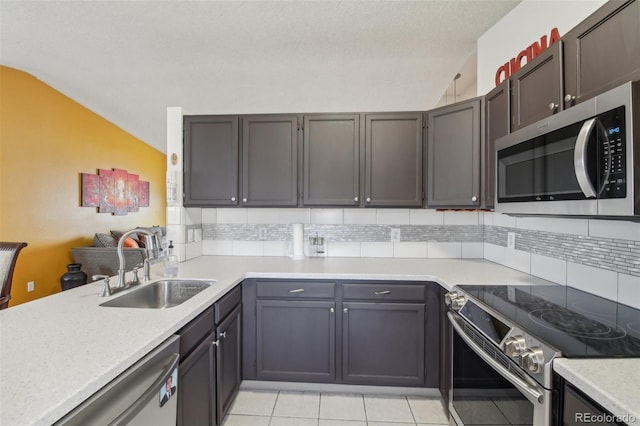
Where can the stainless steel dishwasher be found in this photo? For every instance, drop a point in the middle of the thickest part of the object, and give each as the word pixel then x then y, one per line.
pixel 145 394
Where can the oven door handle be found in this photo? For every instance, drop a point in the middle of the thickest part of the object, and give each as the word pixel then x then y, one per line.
pixel 530 392
pixel 580 160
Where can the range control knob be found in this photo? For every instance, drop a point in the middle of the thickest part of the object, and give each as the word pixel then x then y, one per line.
pixel 456 304
pixel 448 297
pixel 514 346
pixel 532 359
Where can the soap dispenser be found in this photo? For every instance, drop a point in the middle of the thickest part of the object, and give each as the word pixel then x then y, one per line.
pixel 170 263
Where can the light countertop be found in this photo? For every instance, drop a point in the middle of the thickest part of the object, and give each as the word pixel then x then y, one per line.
pixel 57 351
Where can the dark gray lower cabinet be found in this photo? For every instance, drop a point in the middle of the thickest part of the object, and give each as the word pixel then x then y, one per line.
pixel 228 356
pixel 196 392
pixel 295 340
pixel 383 343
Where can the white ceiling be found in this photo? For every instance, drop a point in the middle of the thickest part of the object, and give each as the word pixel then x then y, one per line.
pixel 129 60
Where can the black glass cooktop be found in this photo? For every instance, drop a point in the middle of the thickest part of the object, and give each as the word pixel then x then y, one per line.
pixel 576 323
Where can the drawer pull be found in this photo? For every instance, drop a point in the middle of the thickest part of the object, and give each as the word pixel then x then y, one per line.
pixel 297 290
pixel 381 293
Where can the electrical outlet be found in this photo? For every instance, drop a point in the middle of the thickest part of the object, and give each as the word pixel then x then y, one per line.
pixel 395 235
pixel 511 240
pixel 31 286
pixel 263 233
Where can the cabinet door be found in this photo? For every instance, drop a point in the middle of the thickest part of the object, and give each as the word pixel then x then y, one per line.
pixel 296 340
pixel 210 160
pixel 270 160
pixel 577 407
pixel 497 114
pixel 383 343
pixel 603 51
pixel 536 91
pixel 196 378
pixel 331 160
pixel 453 153
pixel 393 152
pixel 228 363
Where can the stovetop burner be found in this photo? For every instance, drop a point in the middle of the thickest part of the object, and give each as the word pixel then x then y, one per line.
pixel 576 323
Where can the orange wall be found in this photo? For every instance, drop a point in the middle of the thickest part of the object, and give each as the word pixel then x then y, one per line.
pixel 46 141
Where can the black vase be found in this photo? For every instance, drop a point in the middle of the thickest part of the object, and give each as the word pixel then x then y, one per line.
pixel 74 277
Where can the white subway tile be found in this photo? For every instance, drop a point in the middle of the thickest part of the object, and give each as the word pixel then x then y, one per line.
pixel 232 215
pixel 327 216
pixel 559 225
pixel 193 215
pixel 190 235
pixel 180 251
pixel 614 229
pixel 217 247
pixel 175 215
pixel 262 216
pixel 360 216
pixel 504 220
pixel 494 253
pixel 593 280
pixel 439 250
pixel 209 215
pixel 176 233
pixel 410 249
pixel 426 217
pixel 460 218
pixel 275 248
pixel 193 250
pixel 343 249
pixel 393 217
pixel 248 248
pixel 376 249
pixel 472 250
pixel 629 290
pixel 517 259
pixel 549 268
pixel 198 234
pixel 292 215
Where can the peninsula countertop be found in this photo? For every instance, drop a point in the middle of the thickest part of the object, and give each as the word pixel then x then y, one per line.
pixel 57 351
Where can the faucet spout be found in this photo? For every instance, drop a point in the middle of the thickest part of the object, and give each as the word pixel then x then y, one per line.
pixel 120 250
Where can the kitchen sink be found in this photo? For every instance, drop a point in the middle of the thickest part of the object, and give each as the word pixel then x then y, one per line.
pixel 162 294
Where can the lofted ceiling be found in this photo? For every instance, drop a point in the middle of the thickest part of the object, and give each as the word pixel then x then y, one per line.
pixel 129 60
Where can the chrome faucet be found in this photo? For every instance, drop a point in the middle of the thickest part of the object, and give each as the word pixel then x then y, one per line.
pixel 121 271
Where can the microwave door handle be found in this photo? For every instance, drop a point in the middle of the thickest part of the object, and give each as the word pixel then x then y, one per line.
pixel 580 158
pixel 529 391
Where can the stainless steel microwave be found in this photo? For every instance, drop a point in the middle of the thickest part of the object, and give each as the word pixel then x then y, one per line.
pixel 581 161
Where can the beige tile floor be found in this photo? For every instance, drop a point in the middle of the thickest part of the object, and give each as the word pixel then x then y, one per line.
pixel 286 408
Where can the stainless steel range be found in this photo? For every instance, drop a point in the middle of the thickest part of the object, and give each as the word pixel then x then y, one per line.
pixel 505 339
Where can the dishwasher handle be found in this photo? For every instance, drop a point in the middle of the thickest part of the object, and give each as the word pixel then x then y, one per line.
pixel 148 394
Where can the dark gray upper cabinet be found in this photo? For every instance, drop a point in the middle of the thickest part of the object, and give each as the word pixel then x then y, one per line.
pixel 536 89
pixel 331 160
pixel 603 51
pixel 383 343
pixel 496 110
pixel 453 155
pixel 210 160
pixel 270 160
pixel 393 164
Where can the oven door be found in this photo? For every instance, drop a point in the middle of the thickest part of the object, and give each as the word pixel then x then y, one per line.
pixel 487 387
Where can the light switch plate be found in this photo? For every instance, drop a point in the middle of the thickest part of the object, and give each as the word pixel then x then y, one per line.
pixel 395 235
pixel 511 240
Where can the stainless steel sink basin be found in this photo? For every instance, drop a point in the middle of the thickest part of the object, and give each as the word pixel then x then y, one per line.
pixel 161 294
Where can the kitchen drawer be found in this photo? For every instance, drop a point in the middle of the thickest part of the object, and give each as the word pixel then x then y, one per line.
pixel 228 302
pixel 384 291
pixel 193 333
pixel 296 289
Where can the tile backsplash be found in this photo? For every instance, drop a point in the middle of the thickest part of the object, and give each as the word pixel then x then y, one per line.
pixel 599 256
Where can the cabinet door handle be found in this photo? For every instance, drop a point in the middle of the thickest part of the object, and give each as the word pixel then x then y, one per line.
pixel 345 310
pixel 216 343
pixel 355 199
pixel 332 310
pixel 381 293
pixel 297 290
pixel 553 106
pixel 474 198
pixel 569 98
pixel 233 199
pixel 223 335
pixel 368 199
pixel 244 200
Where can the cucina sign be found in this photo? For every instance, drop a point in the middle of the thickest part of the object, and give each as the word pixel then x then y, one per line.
pixel 536 48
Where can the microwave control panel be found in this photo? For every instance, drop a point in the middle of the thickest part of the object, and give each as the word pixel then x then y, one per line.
pixel 613 155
